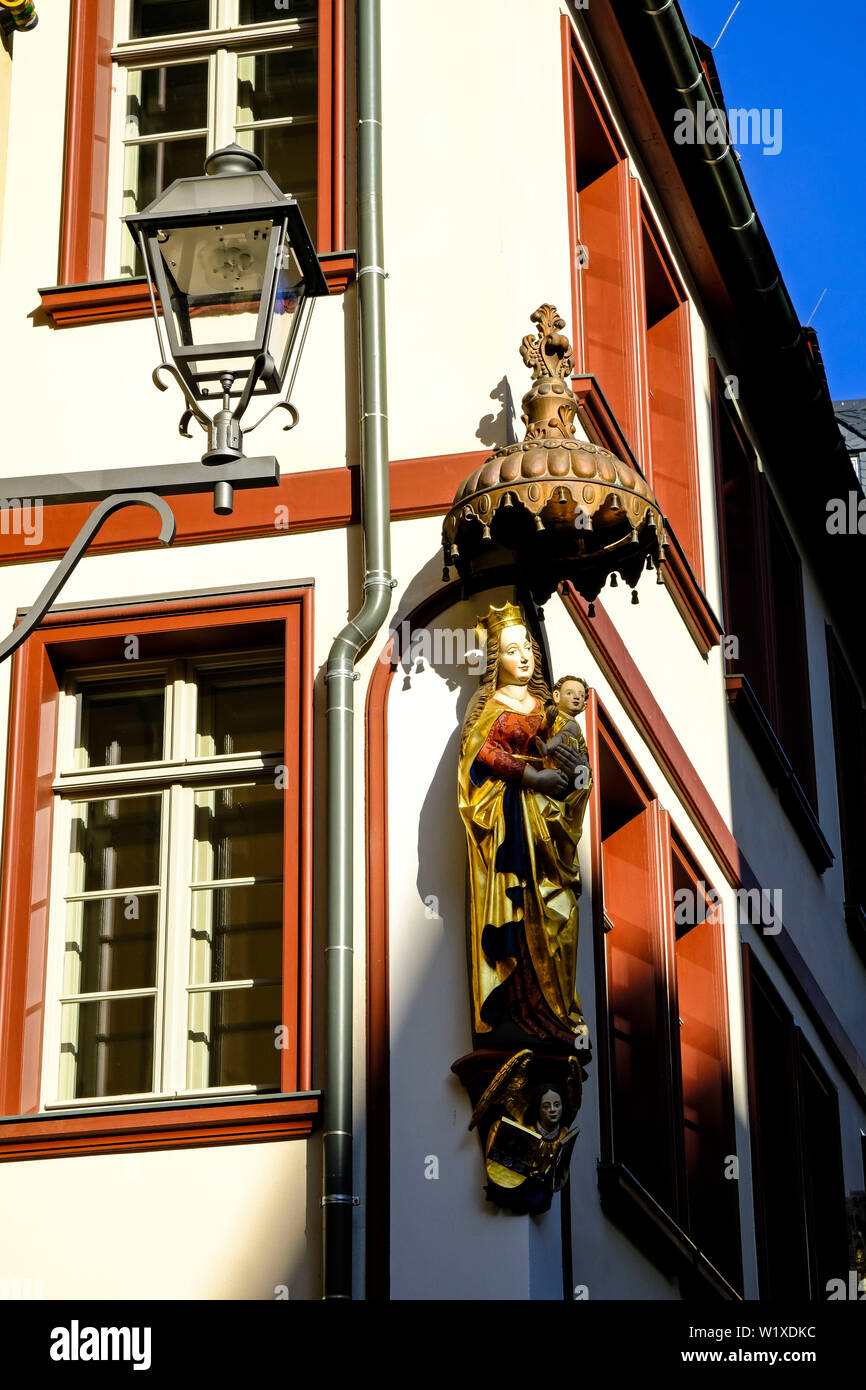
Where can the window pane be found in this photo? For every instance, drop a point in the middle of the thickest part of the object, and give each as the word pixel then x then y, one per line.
pixel 237 933
pixel 232 1038
pixel 290 155
pixel 237 715
pixel 164 99
pixel 238 833
pixel 106 1047
pixel 275 85
pixel 115 844
pixel 121 723
pixel 151 168
pixel 150 17
pixel 111 944
pixel 266 11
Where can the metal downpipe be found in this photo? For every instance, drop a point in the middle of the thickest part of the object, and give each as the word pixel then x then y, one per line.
pixel 338 1196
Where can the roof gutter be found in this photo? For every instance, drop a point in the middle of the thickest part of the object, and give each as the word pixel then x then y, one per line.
pixel 338 1197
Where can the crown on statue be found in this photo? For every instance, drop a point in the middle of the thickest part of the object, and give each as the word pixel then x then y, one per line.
pixel 495 619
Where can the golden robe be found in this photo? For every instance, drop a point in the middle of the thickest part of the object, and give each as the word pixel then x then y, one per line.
pixel 524 877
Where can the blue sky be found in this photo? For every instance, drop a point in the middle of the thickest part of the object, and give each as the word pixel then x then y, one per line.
pixel 809 61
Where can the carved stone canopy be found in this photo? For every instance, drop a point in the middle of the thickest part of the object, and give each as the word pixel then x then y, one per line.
pixel 557 506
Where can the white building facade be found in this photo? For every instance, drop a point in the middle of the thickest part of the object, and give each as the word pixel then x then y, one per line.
pixel 166 1029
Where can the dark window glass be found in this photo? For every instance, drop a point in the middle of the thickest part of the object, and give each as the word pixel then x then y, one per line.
pixel 121 723
pixel 166 99
pixel 113 1050
pixel 236 1027
pixel 117 942
pixel 266 11
pixel 237 715
pixel 119 841
pixel 152 17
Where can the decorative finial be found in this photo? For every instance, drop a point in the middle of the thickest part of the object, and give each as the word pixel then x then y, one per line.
pixel 548 406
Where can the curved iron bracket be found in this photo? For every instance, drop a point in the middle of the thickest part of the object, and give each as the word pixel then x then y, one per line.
pixel 192 405
pixel 34 615
pixel 280 405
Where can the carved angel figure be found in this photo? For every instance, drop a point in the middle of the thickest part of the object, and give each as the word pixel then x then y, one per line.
pixel 529 1135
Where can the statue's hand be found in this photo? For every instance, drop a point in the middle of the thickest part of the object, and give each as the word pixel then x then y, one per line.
pixel 548 781
pixel 565 757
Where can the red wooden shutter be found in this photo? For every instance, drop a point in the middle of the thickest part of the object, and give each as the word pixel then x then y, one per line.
pixel 607 293
pixel 713 1205
pixel 637 1004
pixel 672 432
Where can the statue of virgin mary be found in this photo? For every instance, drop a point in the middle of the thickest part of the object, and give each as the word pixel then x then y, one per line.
pixel 523 822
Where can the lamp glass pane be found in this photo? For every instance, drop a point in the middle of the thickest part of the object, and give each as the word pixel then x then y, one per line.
pixel 221 272
pixel 287 307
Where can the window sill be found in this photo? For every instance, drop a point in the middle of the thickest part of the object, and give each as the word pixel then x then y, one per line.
pixel 780 774
pixel 603 428
pixel 641 1218
pixel 108 301
pixel 159 1125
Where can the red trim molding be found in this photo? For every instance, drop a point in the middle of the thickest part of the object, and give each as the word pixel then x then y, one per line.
pixel 88 125
pixel 110 301
pixel 56 1136
pixel 318 500
pixel 94 634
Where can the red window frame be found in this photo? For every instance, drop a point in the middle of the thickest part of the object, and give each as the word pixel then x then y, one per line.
pixel 79 636
pixel 665 1079
pixel 88 133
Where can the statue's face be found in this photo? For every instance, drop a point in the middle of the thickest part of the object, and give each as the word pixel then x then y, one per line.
pixel 571 697
pixel 550 1110
pixel 516 662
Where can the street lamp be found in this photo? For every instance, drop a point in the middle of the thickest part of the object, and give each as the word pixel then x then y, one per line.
pixel 230 262
pixel 223 251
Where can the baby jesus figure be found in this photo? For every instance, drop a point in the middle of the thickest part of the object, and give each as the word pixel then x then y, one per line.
pixel 561 727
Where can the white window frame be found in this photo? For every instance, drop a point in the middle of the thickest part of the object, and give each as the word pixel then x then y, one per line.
pixel 178 776
pixel 220 45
